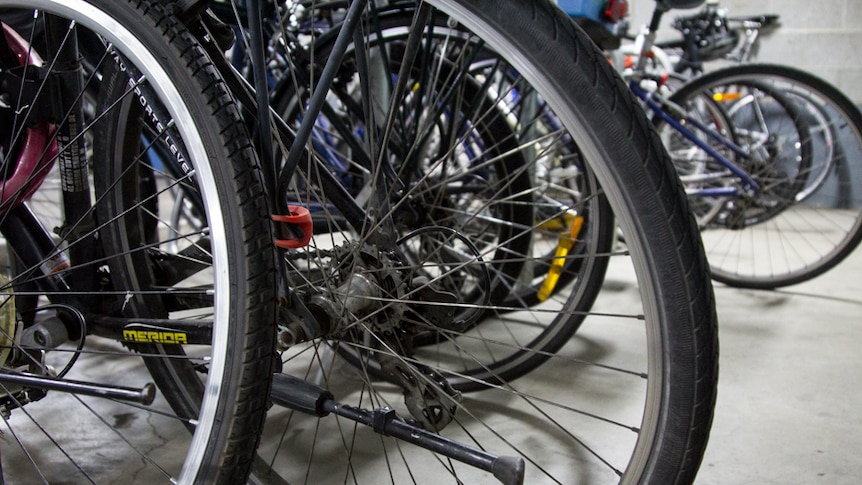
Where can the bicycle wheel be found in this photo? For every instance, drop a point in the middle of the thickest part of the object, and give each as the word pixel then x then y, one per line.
pixel 568 206
pixel 193 302
pixel 822 223
pixel 416 298
pixel 762 132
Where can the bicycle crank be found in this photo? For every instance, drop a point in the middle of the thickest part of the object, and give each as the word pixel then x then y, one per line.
pixel 299 395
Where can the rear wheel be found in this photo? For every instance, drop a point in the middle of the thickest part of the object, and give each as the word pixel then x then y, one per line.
pixel 423 325
pixel 555 202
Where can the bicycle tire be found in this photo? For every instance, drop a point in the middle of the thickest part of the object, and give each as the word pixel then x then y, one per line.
pixel 233 297
pixel 674 300
pixel 824 223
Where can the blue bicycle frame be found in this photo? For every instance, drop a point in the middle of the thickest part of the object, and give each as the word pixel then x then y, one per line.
pixel 657 104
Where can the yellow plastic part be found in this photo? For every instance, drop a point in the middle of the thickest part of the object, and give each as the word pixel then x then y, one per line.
pixel 724 97
pixel 564 245
pixel 558 223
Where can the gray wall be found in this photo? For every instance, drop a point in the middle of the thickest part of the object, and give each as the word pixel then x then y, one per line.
pixel 823 37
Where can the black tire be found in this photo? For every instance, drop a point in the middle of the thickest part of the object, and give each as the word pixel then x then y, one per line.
pixel 671 327
pixel 822 224
pixel 222 275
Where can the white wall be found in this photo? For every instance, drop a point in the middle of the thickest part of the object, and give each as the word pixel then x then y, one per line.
pixel 823 37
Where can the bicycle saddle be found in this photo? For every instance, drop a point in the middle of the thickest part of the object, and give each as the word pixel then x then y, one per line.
pixel 669 4
pixel 765 21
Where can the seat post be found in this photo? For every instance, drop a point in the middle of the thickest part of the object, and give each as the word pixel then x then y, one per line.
pixel 649 39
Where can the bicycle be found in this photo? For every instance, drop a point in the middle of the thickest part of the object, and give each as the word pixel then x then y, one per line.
pixel 402 299
pixel 712 35
pixel 768 154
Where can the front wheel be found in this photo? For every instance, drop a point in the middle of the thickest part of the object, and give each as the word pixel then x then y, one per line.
pixel 192 298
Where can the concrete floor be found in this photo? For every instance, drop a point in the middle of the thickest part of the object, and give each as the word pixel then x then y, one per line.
pixel 790 389
pixel 789 403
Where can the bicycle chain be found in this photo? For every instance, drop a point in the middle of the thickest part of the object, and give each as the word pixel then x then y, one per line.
pixel 304 255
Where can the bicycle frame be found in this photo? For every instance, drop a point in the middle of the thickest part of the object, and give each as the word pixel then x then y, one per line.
pixel 656 103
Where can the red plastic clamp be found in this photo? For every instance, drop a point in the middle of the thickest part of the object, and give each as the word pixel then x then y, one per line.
pixel 295 230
